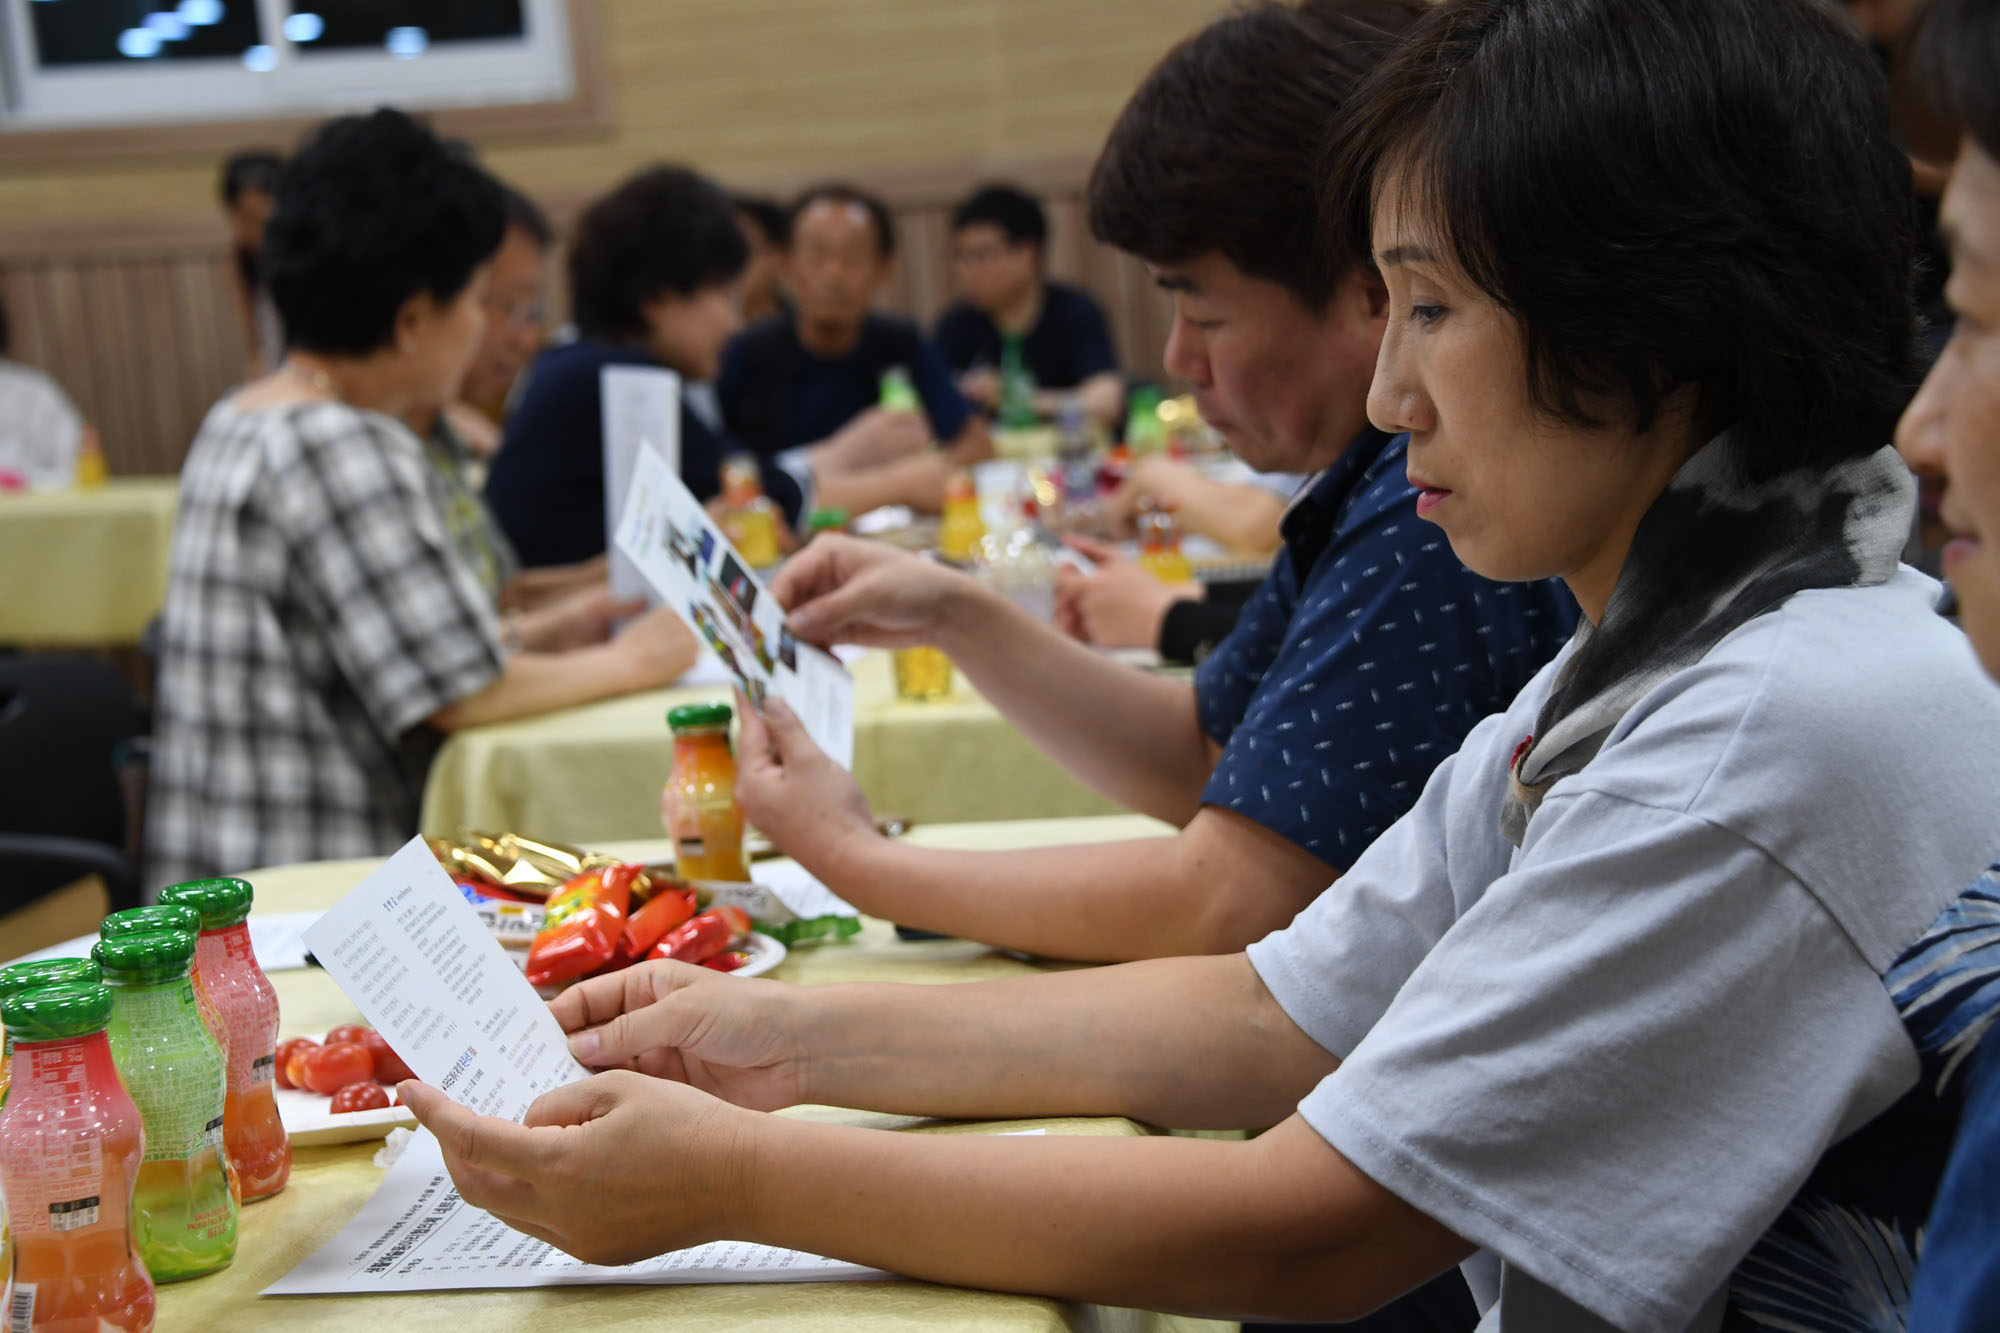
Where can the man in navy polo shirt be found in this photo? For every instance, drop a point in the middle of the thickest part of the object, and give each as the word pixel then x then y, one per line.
pixel 1361 663
pixel 810 378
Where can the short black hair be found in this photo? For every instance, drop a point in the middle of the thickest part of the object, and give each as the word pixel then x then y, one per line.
pixel 1017 214
pixel 767 215
pixel 526 215
pixel 373 210
pixel 252 169
pixel 664 230
pixel 1958 52
pixel 1669 196
pixel 840 192
pixel 1217 152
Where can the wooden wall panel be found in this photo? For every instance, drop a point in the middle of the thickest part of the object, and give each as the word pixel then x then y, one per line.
pixel 138 321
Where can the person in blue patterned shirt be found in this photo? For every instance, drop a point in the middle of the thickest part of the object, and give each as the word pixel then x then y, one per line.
pixel 1364 659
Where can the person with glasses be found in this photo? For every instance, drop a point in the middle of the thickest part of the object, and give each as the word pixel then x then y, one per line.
pixel 1011 321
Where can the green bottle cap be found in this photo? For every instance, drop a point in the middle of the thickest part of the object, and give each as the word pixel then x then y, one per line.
pixel 825 520
pixel 160 916
pixel 689 717
pixel 52 1013
pixel 47 972
pixel 156 955
pixel 221 902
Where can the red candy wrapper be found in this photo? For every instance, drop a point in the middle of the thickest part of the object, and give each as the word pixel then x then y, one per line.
pixel 584 926
pixel 669 908
pixel 711 933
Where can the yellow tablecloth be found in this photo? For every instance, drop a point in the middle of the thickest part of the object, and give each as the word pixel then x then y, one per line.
pixel 329 1184
pixel 85 568
pixel 594 773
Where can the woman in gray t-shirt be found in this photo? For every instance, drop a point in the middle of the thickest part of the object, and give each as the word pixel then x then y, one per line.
pixel 1587 1018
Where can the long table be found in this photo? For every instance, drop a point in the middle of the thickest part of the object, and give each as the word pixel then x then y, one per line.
pixel 329 1184
pixel 592 774
pixel 85 568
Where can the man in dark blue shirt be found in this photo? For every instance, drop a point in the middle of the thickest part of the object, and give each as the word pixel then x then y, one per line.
pixel 1020 344
pixel 798 385
pixel 1361 663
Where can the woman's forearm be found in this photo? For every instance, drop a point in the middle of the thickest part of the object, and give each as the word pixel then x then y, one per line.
pixel 1075 1043
pixel 1281 1226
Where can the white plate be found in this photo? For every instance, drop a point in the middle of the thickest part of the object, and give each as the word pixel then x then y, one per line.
pixel 309 1122
pixel 765 954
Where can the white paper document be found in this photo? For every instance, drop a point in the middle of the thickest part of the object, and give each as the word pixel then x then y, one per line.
pixel 412 954
pixel 691 565
pixel 642 410
pixel 415 958
pixel 416 1234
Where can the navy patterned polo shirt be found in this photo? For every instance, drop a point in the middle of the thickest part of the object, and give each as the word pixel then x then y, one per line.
pixel 1363 660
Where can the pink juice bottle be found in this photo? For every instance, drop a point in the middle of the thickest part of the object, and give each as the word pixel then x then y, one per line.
pixel 70 1149
pixel 225 966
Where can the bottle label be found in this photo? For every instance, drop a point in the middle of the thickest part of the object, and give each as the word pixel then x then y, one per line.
pixel 71 1167
pixel 73 1214
pixel 21 1308
pixel 170 1066
pixel 263 1069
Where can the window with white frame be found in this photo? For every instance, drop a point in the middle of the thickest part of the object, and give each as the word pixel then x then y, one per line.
pixel 83 63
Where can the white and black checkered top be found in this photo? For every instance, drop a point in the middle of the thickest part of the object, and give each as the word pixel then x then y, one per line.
pixel 317 614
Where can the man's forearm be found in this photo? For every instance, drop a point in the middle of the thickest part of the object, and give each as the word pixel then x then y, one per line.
pixel 1276 1227
pixel 1130 735
pixel 1091 1043
pixel 1194 893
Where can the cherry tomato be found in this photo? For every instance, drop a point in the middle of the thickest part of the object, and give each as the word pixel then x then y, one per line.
pixel 292 1067
pixel 389 1066
pixel 360 1097
pixel 284 1055
pixel 354 1032
pixel 331 1068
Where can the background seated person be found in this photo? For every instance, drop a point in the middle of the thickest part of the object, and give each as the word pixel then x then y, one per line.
pixel 808 385
pixel 652 269
pixel 1009 313
pixel 41 431
pixel 247 186
pixel 516 307
pixel 321 633
pixel 763 222
pixel 1362 660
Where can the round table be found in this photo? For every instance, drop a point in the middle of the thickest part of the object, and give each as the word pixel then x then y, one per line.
pixel 85 568
pixel 329 1184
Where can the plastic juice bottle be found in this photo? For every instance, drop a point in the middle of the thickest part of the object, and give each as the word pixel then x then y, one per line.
pixel 698 805
pixel 226 967
pixel 1160 546
pixel 749 519
pixel 961 527
pixel 26 976
pixel 1017 387
pixel 826 520
pixel 91 469
pixel 70 1148
pixel 169 916
pixel 1144 434
pixel 184 1211
pixel 899 391
pixel 1117 465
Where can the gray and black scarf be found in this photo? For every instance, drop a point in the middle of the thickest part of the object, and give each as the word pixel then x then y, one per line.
pixel 1714 551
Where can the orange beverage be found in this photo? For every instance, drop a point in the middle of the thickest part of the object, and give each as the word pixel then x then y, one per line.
pixel 1160 545
pixel 923 673
pixel 698 805
pixel 70 1148
pixel 748 518
pixel 961 527
pixel 225 966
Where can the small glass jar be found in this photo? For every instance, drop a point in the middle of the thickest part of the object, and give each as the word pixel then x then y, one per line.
pixel 698 805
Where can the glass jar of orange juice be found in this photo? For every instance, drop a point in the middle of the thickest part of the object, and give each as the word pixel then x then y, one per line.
pixel 698 805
